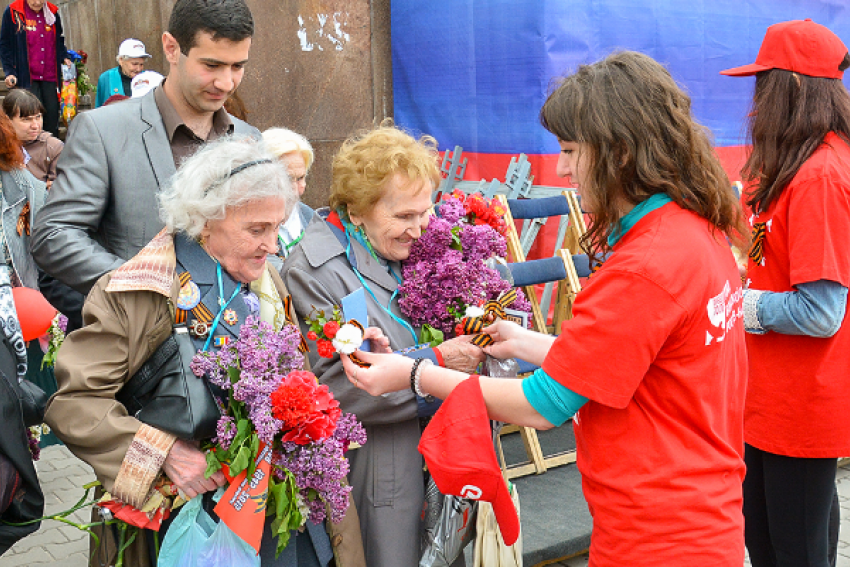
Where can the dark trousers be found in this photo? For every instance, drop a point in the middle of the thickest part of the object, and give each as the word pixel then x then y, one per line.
pixel 790 510
pixel 49 97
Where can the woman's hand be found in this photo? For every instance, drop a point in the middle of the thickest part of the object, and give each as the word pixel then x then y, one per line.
pixel 388 373
pixel 508 337
pixel 377 341
pixel 185 466
pixel 460 354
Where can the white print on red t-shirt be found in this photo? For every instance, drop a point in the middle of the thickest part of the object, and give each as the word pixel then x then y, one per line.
pixel 723 310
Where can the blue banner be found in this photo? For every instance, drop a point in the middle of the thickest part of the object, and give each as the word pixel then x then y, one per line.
pixel 475 73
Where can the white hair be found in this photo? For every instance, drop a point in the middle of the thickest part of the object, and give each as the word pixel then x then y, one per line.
pixel 207 184
pixel 281 142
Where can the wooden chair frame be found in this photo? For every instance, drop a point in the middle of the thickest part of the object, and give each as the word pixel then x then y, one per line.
pixel 537 462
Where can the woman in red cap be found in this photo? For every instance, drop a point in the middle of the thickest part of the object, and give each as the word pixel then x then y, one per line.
pixel 798 395
pixel 654 355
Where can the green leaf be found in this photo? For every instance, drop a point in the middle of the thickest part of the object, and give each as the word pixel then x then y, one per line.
pixel 434 337
pixel 213 465
pixel 233 373
pixel 254 448
pixel 282 542
pixel 240 461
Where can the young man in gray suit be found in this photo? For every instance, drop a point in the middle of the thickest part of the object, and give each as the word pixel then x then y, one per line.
pixel 102 208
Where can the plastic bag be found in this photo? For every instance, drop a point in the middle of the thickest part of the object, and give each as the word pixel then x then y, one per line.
pixel 195 539
pixel 490 549
pixel 68 101
pixel 498 368
pixel 448 527
pixel 69 72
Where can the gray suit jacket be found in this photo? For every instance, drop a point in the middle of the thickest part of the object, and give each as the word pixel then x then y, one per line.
pixel 102 208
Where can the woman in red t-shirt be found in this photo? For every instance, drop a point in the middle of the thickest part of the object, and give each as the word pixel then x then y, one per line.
pixel 654 355
pixel 798 340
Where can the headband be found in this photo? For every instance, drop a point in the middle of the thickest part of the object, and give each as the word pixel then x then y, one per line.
pixel 236 170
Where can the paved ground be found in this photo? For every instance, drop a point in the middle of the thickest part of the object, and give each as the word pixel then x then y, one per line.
pixel 59 544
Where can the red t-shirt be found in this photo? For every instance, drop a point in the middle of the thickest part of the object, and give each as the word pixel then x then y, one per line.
pixel 798 400
pixel 657 345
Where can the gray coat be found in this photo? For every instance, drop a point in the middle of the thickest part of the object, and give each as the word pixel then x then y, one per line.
pixel 102 208
pixel 19 187
pixel 386 473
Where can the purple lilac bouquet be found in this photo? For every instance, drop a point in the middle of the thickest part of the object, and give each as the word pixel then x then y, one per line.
pixel 447 272
pixel 273 402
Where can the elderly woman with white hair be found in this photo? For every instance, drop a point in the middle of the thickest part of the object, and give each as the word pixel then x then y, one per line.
pixel 221 212
pixel 296 153
pixel 131 60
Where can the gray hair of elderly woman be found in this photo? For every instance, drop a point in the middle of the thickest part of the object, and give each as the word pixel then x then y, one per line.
pixel 281 142
pixel 224 174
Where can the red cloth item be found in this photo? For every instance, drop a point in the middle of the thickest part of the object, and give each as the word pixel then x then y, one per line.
pixel 458 449
pixel 799 387
pixel 657 345
pixel 801 46
pixel 35 314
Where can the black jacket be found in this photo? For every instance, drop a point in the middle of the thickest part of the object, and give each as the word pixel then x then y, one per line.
pixel 28 501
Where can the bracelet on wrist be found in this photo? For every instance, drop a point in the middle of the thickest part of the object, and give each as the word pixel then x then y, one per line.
pixel 413 370
pixel 417 379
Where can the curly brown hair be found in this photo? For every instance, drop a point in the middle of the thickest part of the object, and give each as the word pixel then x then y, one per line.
pixel 641 139
pixel 791 115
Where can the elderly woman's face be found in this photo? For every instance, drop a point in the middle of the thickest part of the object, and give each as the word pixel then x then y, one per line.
pixel 297 170
pixel 398 218
pixel 244 237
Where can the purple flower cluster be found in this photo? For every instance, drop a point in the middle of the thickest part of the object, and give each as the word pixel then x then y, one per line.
pixel 32 441
pixel 446 270
pixel 320 469
pixel 252 367
pixel 62 323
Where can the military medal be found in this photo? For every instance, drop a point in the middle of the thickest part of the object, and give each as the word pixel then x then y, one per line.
pixel 221 341
pixel 189 297
pixel 230 317
pixel 199 329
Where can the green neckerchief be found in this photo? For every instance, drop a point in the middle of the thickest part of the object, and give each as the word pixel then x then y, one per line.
pixel 632 217
pixel 356 232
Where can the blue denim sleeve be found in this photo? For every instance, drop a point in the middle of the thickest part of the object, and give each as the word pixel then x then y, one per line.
pixel 553 401
pixel 816 309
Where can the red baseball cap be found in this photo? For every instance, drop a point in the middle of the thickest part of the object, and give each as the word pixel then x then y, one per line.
pixel 458 449
pixel 801 46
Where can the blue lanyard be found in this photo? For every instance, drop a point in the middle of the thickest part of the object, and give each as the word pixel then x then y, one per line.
pixel 222 305
pixel 397 319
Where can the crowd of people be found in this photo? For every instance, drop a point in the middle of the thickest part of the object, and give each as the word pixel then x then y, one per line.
pixel 707 396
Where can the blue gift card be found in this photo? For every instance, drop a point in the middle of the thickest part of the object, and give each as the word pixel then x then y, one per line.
pixel 354 307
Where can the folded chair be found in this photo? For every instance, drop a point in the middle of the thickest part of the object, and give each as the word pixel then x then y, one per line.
pixel 528 273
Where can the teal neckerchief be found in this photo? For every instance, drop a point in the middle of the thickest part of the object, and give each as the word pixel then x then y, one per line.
pixel 632 217
pixel 356 233
pixel 353 233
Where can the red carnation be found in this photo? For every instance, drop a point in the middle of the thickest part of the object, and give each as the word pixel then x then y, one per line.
pixel 325 348
pixel 308 410
pixel 330 329
pixel 311 335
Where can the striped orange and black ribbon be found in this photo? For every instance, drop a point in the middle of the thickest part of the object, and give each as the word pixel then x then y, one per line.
pixel 200 312
pixel 23 224
pixel 287 309
pixel 756 252
pixel 494 307
pixel 353 356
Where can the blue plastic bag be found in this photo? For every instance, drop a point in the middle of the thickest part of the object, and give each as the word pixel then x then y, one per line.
pixel 195 539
